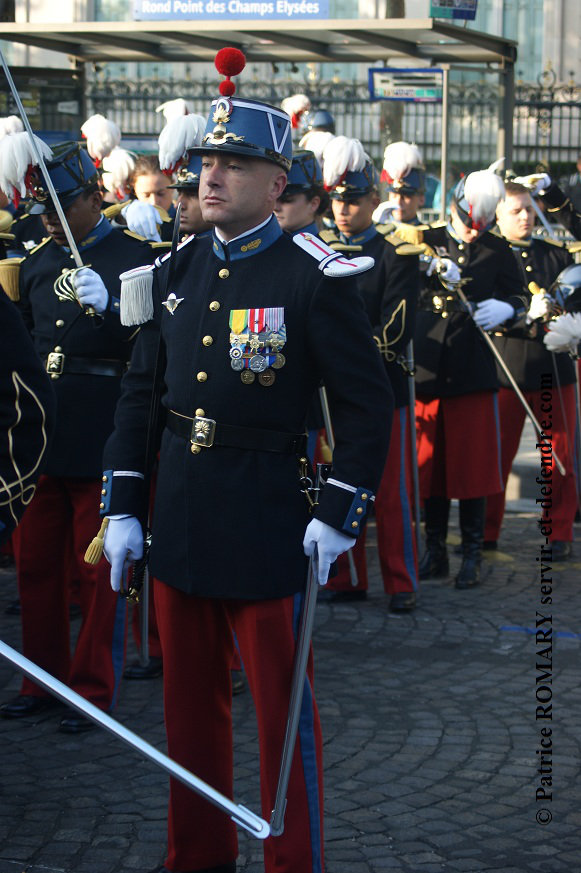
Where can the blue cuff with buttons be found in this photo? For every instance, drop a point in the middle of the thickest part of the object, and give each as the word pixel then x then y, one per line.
pixel 122 493
pixel 106 487
pixel 357 511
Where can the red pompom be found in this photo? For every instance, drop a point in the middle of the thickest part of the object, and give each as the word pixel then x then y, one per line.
pixel 227 88
pixel 230 61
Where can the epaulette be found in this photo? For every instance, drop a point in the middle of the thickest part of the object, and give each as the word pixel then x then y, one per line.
pixel 554 242
pixel 411 233
pixel 6 220
pixel 134 235
pixel 137 295
pixel 385 229
pixel 42 243
pixel 331 238
pixel 436 224
pixel 113 210
pixel 161 245
pixel 8 237
pixel 573 247
pixel 330 262
pixel 9 275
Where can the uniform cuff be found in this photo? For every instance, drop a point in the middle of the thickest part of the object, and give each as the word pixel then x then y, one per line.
pixel 344 506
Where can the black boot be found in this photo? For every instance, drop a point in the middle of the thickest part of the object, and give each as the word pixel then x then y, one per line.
pixel 434 562
pixel 472 517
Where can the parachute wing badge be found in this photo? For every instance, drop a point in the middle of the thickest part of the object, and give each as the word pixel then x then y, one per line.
pixel 332 263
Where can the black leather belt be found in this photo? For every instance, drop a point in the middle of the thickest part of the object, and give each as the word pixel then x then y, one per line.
pixel 58 363
pixel 205 432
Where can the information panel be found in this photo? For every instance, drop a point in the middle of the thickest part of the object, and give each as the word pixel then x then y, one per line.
pixel 423 85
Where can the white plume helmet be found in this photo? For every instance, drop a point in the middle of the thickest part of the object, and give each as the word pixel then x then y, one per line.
pixel 182 133
pixel 399 158
pixel 16 159
pixel 316 141
pixel 564 333
pixel 482 191
pixel 10 124
pixel 342 155
pixel 117 168
pixel 497 166
pixel 174 108
pixel 295 106
pixel 102 136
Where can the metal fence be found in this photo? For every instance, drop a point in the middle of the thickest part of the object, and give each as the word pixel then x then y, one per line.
pixel 547 120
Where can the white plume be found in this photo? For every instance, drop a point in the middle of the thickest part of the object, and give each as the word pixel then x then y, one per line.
pixel 295 106
pixel 316 141
pixel 497 166
pixel 174 108
pixel 102 136
pixel 401 157
pixel 564 333
pixel 16 155
pixel 182 133
pixel 117 168
pixel 10 124
pixel 342 154
pixel 483 190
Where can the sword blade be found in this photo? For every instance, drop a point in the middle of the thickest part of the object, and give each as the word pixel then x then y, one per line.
pixel 243 817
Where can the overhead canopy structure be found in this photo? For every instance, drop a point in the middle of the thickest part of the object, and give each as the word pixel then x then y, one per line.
pixel 324 41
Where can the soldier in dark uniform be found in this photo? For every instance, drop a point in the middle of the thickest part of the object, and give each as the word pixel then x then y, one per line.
pixel 556 203
pixel 187 185
pixel 250 327
pixel 390 293
pixel 304 201
pixel 456 381
pixel 85 357
pixel 539 261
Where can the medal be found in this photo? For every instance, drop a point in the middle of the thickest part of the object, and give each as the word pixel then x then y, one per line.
pixel 279 361
pixel 258 363
pixel 235 352
pixel 267 378
pixel 247 377
pixel 237 364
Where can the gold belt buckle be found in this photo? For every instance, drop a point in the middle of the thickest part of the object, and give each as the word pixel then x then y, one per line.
pixel 55 363
pixel 203 432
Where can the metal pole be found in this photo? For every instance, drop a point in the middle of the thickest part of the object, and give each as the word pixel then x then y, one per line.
pixel 504 142
pixel 444 156
pixel 42 165
pixel 296 697
pixel 413 445
pixel 143 607
pixel 243 817
pixel 331 441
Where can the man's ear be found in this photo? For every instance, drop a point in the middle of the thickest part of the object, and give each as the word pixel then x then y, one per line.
pixel 279 181
pixel 96 201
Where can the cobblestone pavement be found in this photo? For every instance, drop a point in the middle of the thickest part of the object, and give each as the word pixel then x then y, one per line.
pixel 431 738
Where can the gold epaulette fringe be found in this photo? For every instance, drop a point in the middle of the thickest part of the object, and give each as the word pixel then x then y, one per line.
pixel 9 276
pixel 94 551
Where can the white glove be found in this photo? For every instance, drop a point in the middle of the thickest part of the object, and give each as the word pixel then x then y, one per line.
pixel 446 268
pixel 142 218
pixel 540 308
pixel 90 289
pixel 330 544
pixel 536 182
pixel 123 543
pixel 490 313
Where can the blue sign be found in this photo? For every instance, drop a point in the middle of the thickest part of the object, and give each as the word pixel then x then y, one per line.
pixel 465 9
pixel 406 84
pixel 170 10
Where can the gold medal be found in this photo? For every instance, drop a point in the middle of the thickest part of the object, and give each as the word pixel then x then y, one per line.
pixel 267 378
pixel 247 377
pixel 279 361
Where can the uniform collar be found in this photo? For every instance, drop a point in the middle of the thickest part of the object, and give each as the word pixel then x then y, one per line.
pixel 415 221
pixel 360 238
pixel 257 239
pixel 99 232
pixel 519 243
pixel 310 228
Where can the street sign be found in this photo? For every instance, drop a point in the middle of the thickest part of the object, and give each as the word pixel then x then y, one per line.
pixel 289 10
pixel 465 9
pixel 410 85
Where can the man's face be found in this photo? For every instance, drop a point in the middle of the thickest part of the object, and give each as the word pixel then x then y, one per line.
pixel 407 205
pixel 191 220
pixel 295 211
pixel 466 234
pixel 238 192
pixel 354 216
pixel 516 216
pixel 82 216
pixel 153 188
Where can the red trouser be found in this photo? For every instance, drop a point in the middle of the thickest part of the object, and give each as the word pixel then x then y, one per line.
pixel 53 535
pixel 197 644
pixel 459 446
pixel 394 510
pixel 562 436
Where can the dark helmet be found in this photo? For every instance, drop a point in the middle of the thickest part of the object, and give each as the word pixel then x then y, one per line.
pixel 321 120
pixel 71 171
pixel 566 289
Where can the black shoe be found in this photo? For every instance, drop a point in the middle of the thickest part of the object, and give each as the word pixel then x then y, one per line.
pixel 434 565
pixel 561 550
pixel 13 608
pixel 402 601
pixel 26 704
pixel 328 596
pixel 139 671
pixel 489 546
pixel 238 682
pixel 75 723
pixel 469 574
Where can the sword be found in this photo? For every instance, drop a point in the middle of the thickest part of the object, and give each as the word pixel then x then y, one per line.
pixel 239 814
pixel 331 441
pixel 296 697
pixel 542 218
pixel 413 445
